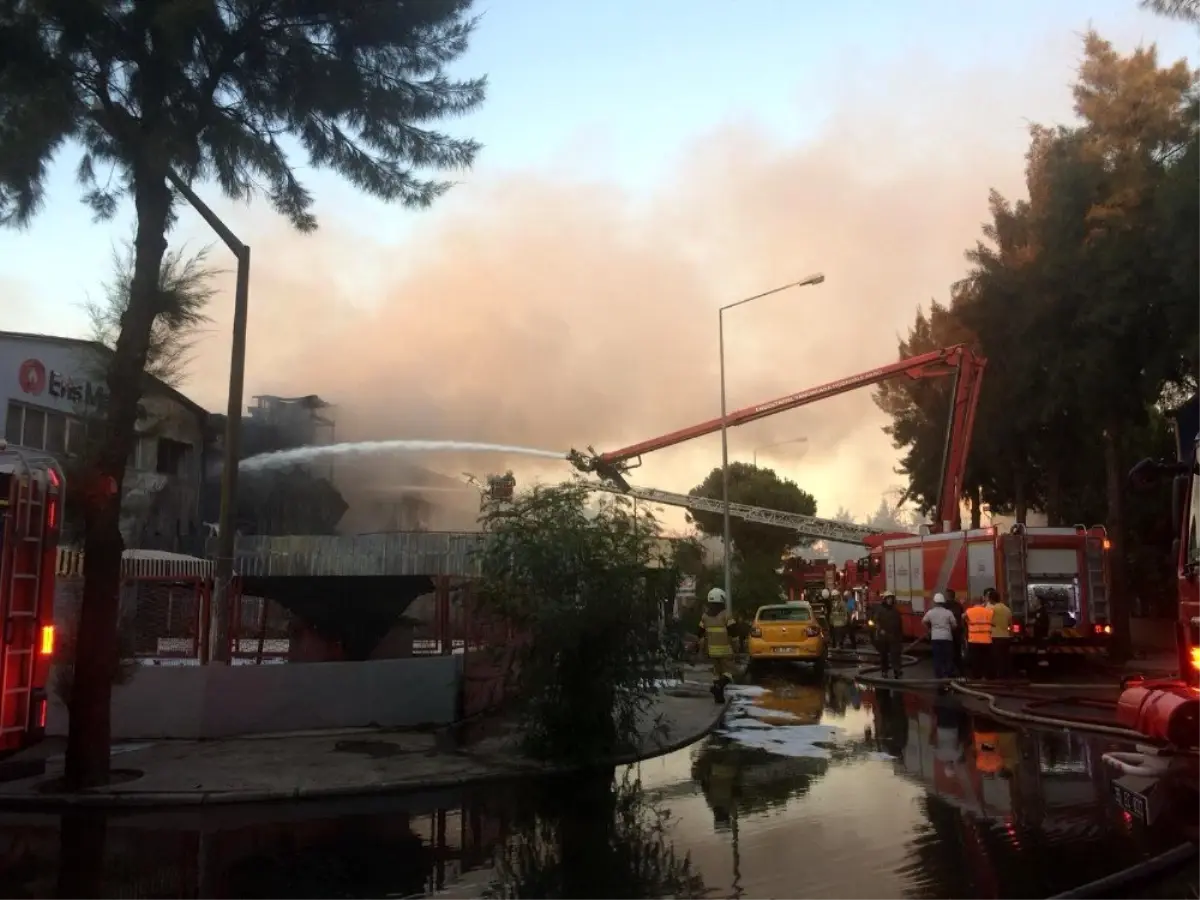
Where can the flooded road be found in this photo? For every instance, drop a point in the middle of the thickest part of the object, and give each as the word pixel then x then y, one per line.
pixel 809 790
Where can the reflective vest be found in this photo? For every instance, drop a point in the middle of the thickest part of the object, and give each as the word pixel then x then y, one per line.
pixel 716 634
pixel 988 760
pixel 1001 621
pixel 979 625
pixel 837 615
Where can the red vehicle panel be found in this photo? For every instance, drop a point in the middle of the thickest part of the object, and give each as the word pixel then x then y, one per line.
pixel 31 488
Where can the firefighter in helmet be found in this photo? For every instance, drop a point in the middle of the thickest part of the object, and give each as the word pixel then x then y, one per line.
pixel 715 641
pixel 889 636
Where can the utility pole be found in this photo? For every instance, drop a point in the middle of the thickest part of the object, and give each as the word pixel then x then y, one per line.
pixel 218 643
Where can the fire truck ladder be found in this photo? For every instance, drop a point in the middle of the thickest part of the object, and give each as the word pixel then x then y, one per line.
pixel 22 591
pixel 1013 547
pixel 1097 585
pixel 804 526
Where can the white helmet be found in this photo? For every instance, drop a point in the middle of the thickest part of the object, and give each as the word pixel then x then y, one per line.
pixel 848 594
pixel 824 593
pixel 939 598
pixel 717 595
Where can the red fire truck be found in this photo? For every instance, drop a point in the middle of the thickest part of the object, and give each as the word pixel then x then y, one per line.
pixel 1055 580
pixel 31 489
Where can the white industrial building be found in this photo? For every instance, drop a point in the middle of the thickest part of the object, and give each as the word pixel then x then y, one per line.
pixel 53 387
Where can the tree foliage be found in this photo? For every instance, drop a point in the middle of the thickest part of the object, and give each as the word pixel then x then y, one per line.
pixel 209 92
pixel 753 486
pixel 185 288
pixel 1083 298
pixel 577 588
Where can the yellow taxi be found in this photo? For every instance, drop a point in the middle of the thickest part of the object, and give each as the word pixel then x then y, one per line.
pixel 787 632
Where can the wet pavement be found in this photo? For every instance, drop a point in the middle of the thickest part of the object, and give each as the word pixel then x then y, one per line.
pixel 809 789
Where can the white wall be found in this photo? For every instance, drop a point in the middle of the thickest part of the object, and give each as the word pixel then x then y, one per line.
pixel 197 702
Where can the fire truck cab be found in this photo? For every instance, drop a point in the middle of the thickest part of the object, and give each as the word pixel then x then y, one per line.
pixel 1055 580
pixel 31 488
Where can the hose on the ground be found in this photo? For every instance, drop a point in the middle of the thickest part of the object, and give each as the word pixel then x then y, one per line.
pixel 1119 883
pixel 864 674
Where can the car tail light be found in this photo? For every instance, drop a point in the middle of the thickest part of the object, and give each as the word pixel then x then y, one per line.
pixel 756 632
pixel 1196 657
pixel 812 631
pixel 1108 629
pixel 1016 628
pixel 46 648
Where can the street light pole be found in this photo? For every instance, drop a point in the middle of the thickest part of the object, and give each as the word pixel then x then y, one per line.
pixel 218 642
pixel 804 282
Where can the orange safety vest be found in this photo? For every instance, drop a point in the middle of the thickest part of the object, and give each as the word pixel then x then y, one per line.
pixel 988 760
pixel 979 625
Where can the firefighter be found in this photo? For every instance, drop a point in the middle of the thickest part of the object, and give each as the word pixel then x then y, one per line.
pixel 979 639
pixel 838 617
pixel 1001 634
pixel 888 636
pixel 956 609
pixel 715 643
pixel 853 613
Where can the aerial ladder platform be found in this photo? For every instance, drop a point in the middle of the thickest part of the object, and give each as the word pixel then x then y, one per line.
pixel 804 526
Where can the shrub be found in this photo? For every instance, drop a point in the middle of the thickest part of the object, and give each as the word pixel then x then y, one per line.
pixel 574 581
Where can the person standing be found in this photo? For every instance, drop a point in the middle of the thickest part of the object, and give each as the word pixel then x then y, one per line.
pixel 852 619
pixel 979 639
pixel 942 631
pixel 837 620
pixel 1001 634
pixel 715 642
pixel 956 609
pixel 888 635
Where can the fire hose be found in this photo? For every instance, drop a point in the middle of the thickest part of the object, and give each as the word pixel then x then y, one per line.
pixel 1120 883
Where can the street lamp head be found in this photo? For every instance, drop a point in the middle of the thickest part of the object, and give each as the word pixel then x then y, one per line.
pixel 818 278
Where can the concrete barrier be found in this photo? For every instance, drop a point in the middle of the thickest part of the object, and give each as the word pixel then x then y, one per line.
pixel 198 702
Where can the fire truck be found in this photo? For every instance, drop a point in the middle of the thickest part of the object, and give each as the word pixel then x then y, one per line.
pixel 31 490
pixel 1055 581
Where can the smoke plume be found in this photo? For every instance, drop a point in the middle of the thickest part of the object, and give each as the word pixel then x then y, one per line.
pixel 533 309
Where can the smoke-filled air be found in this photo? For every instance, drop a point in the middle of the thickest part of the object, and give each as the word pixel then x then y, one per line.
pixel 535 309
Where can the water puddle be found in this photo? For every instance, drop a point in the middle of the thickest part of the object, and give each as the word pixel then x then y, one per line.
pixel 810 789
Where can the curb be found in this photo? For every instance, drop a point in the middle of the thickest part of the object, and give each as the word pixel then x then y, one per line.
pixel 165 799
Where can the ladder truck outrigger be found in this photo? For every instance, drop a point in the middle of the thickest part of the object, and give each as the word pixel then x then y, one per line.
pixel 1054 579
pixel 31 494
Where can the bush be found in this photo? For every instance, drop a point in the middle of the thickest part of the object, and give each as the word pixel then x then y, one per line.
pixel 575 583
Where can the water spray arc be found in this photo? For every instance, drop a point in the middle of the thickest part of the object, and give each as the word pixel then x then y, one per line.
pixel 299 455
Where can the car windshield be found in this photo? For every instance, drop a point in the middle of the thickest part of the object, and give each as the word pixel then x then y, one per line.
pixel 784 614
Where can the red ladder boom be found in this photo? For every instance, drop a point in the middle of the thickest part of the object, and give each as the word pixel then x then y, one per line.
pixel 957 360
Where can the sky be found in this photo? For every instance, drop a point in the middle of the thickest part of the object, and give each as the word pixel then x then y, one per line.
pixel 643 164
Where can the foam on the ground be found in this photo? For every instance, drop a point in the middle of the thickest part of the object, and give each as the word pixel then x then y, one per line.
pixel 745 724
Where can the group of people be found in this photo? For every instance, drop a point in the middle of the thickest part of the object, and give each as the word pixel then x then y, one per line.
pixel 979 635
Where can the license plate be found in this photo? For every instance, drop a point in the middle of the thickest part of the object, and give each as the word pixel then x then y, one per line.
pixel 1132 802
pixel 783 649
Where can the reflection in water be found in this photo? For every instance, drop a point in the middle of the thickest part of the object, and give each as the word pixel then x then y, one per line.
pixel 593 837
pixel 82 839
pixel 811 790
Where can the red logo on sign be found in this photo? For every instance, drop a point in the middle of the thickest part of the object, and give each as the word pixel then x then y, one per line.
pixel 32 376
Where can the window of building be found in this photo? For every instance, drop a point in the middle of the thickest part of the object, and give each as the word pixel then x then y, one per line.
pixel 14 423
pixel 56 434
pixel 34 432
pixel 173 456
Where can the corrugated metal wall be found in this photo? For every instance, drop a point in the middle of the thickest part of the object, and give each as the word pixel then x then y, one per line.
pixel 415 553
